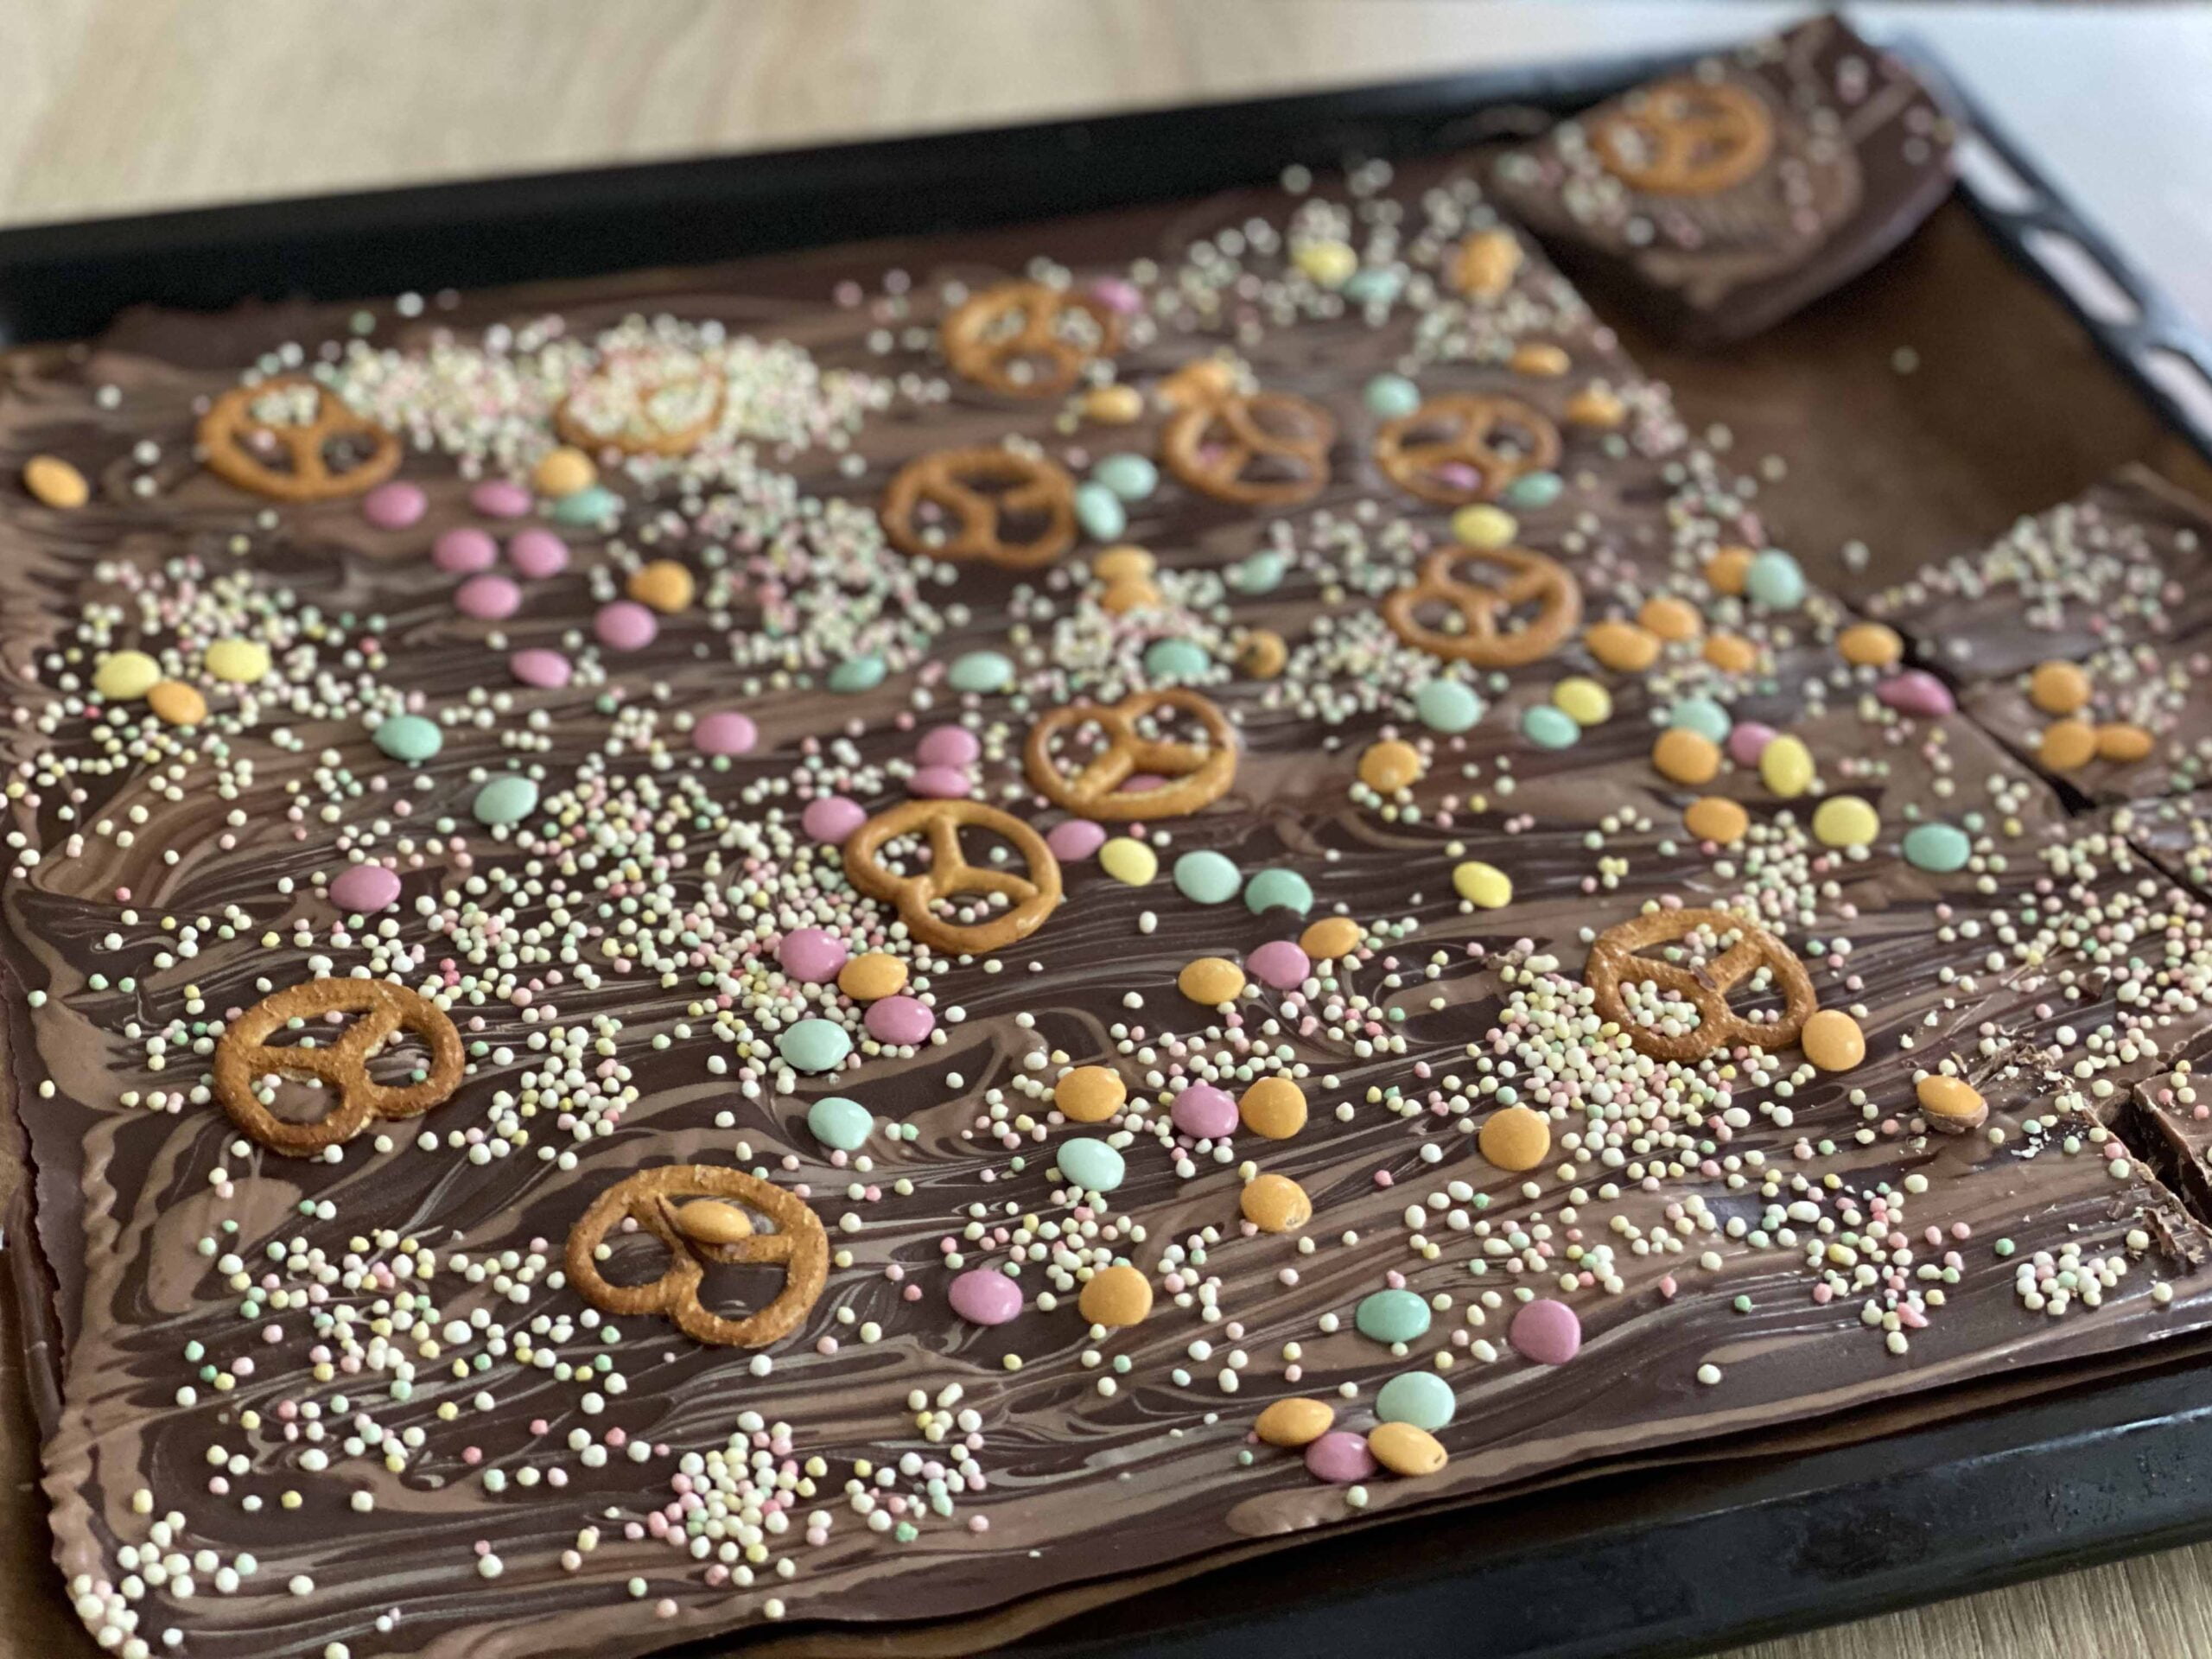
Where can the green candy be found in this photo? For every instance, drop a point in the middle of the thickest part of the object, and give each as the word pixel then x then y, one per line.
pixel 841 1124
pixel 1130 477
pixel 1272 888
pixel 814 1045
pixel 1208 878
pixel 1548 727
pixel 1392 1316
pixel 1376 285
pixel 1392 397
pixel 1092 1165
pixel 508 798
pixel 594 505
pixel 1175 659
pixel 1261 573
pixel 981 670
pixel 1939 848
pixel 1702 715
pixel 1421 1398
pixel 1099 511
pixel 1775 581
pixel 862 673
pixel 1533 490
pixel 1447 706
pixel 411 738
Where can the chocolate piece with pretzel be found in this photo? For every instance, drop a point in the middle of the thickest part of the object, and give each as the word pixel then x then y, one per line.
pixel 1717 201
pixel 1257 449
pixel 1494 631
pixel 949 875
pixel 292 439
pixel 1616 962
pixel 1463 448
pixel 385 1009
pixel 1193 778
pixel 694 1209
pixel 1013 511
pixel 1025 340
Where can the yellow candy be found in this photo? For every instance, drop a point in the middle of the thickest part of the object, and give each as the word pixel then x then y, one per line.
pixel 872 978
pixel 1389 765
pixel 1330 937
pixel 564 472
pixel 1483 886
pixel 126 676
pixel 664 586
pixel 1786 767
pixel 1127 859
pixel 1114 405
pixel 1484 264
pixel 1295 1422
pixel 1275 1204
pixel 1541 359
pixel 175 703
pixel 1091 1093
pixel 1870 645
pixel 1273 1108
pixel 1116 1297
pixel 1716 818
pixel 56 482
pixel 1582 701
pixel 1594 406
pixel 239 662
pixel 1330 264
pixel 1211 981
pixel 1484 527
pixel 1844 821
pixel 1404 1450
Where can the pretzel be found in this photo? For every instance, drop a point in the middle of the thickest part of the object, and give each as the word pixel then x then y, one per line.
pixel 1201 775
pixel 1614 961
pixel 235 441
pixel 651 413
pixel 1684 138
pixel 948 479
pixel 1471 424
pixel 979 344
pixel 1211 446
pixel 1487 642
pixel 385 1007
pixel 690 1208
pixel 1036 895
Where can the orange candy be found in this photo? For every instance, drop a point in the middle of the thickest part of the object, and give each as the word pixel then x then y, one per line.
pixel 2068 745
pixel 2058 688
pixel 1624 647
pixel 1389 765
pixel 1728 569
pixel 1516 1138
pixel 1670 618
pixel 1686 757
pixel 1330 937
pixel 1870 645
pixel 1731 653
pixel 1091 1093
pixel 2124 741
pixel 1211 981
pixel 1275 1204
pixel 1716 818
pixel 1273 1108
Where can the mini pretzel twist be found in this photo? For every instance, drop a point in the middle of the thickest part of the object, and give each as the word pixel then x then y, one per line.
pixel 1685 137
pixel 235 441
pixel 1614 963
pixel 980 345
pixel 1487 641
pixel 690 1208
pixel 1035 896
pixel 635 407
pixel 241 1056
pixel 950 479
pixel 1471 425
pixel 1211 446
pixel 1200 776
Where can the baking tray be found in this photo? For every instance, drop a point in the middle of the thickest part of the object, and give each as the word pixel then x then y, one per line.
pixel 2041 371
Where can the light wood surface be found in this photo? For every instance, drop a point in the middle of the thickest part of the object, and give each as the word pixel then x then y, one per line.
pixel 120 105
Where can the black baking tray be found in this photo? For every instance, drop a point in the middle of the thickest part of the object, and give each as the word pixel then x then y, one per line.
pixel 1677 1562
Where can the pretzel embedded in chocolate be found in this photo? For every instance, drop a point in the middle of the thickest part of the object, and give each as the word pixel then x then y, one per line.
pixel 988 492
pixel 1684 138
pixel 693 1210
pixel 247 427
pixel 242 1055
pixel 993 337
pixel 1258 449
pixel 1035 896
pixel 1465 447
pixel 642 407
pixel 1487 640
pixel 1197 777
pixel 1615 963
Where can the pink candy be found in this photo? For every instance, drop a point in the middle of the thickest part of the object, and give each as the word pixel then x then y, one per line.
pixel 625 625
pixel 465 551
pixel 831 818
pixel 1204 1112
pixel 1916 691
pixel 1747 740
pixel 1340 1457
pixel 362 889
pixel 901 1020
pixel 395 505
pixel 538 553
pixel 1280 965
pixel 985 1296
pixel 1078 838
pixel 499 498
pixel 948 746
pixel 1547 1331
pixel 725 732
pixel 488 599
pixel 541 667
pixel 1118 295
pixel 810 954
pixel 939 784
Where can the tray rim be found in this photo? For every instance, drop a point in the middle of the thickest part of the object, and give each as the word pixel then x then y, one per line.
pixel 2116 1461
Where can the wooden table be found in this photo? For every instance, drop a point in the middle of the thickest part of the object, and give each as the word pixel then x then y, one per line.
pixel 120 106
